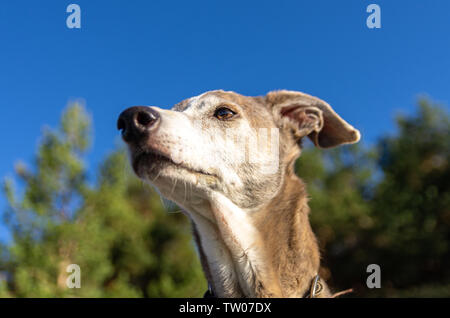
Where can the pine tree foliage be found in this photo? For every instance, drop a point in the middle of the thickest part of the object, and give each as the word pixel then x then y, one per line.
pixel 116 230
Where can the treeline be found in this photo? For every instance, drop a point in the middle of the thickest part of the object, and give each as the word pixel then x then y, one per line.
pixel 387 205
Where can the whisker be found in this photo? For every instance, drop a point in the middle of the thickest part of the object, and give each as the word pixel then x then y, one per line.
pixel 162 202
pixel 173 188
pixel 157 176
pixel 177 211
pixel 185 192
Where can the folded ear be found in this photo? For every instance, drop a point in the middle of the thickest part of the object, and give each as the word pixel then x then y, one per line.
pixel 311 117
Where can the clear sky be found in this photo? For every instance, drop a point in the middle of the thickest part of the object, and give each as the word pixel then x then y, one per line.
pixel 160 52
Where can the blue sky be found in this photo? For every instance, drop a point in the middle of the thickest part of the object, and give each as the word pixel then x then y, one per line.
pixel 160 52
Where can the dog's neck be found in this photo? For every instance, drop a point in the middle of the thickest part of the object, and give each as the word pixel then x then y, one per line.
pixel 270 252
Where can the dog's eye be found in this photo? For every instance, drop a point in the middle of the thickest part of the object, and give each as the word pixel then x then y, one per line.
pixel 224 113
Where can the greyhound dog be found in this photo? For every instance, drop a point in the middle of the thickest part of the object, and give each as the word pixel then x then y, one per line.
pixel 228 161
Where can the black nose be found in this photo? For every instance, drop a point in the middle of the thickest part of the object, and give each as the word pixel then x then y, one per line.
pixel 136 122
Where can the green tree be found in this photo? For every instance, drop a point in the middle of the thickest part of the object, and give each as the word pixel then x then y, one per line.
pixel 339 183
pixel 387 206
pixel 116 230
pixel 412 235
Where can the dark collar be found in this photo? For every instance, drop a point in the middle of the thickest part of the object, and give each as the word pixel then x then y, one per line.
pixel 314 291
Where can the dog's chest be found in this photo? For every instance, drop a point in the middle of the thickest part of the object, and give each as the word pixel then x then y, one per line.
pixel 232 249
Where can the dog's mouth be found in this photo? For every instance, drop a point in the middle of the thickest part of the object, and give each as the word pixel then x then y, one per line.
pixel 152 161
pixel 148 159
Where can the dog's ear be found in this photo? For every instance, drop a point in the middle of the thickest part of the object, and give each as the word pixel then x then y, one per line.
pixel 311 117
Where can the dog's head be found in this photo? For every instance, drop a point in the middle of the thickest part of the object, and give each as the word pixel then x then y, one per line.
pixel 223 142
